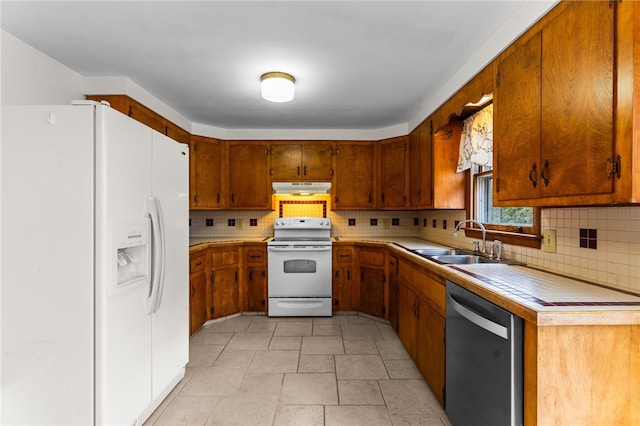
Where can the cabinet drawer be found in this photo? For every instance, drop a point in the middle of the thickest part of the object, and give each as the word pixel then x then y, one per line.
pixel 371 257
pixel 427 285
pixel 256 256
pixel 224 257
pixel 196 262
pixel 343 255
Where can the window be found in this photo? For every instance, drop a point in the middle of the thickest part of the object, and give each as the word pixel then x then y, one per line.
pixel 512 225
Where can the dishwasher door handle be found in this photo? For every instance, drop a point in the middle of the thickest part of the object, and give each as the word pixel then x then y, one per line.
pixel 479 320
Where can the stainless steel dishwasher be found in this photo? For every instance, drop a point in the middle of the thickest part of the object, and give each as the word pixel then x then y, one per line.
pixel 484 361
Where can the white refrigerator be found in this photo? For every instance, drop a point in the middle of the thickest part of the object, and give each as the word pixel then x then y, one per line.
pixel 94 266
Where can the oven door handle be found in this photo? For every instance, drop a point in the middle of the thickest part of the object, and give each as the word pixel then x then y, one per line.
pixel 290 249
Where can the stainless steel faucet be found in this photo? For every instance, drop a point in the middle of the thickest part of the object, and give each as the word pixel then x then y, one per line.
pixel 484 232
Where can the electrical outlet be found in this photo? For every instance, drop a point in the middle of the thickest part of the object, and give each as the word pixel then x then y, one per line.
pixel 549 240
pixel 238 223
pixel 386 223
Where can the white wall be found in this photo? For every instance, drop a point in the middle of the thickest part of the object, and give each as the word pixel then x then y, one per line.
pixel 30 77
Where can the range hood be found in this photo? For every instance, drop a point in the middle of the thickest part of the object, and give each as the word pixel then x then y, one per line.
pixel 301 188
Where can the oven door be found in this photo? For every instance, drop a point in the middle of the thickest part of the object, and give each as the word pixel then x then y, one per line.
pixel 299 270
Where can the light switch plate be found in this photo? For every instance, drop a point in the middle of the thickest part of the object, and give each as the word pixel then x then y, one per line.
pixel 549 240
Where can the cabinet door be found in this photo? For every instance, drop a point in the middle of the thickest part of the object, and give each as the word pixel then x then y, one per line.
pixel 353 177
pixel 392 173
pixel 317 161
pixel 206 175
pixel 393 292
pixel 176 133
pixel 286 160
pixel 225 292
pixel 342 278
pixel 517 123
pixel 407 322
pixel 414 167
pixel 197 302
pixel 421 155
pixel 577 101
pixel 372 291
pixel 430 352
pixel 449 187
pixel 342 288
pixel 144 115
pixel 256 288
pixel 249 186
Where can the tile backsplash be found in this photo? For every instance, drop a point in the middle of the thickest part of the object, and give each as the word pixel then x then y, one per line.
pixel 611 257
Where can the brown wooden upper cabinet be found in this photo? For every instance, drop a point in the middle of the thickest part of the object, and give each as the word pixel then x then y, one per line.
pixel 144 115
pixel 249 184
pixel 434 182
pixel 393 173
pixel 205 174
pixel 554 110
pixel 304 161
pixel 353 165
pixel 421 162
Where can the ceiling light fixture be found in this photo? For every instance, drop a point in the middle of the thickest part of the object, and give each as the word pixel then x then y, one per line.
pixel 277 86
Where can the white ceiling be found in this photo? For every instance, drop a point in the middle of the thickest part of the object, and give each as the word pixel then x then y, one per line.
pixel 358 64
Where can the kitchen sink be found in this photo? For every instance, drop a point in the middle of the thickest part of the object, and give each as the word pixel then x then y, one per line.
pixel 439 252
pixel 453 256
pixel 462 259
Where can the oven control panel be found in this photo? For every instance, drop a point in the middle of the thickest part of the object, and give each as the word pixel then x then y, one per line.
pixel 302 223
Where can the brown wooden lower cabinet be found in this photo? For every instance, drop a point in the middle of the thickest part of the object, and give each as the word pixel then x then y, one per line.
pixel 254 284
pixel 582 374
pixel 224 281
pixel 430 348
pixel 372 283
pixel 342 278
pixel 197 289
pixel 421 330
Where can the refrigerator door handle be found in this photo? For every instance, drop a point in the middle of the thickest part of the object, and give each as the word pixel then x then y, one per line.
pixel 158 255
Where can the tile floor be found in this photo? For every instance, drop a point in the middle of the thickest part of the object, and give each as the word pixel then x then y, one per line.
pixel 255 370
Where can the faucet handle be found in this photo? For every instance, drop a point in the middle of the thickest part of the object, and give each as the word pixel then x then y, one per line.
pixel 476 246
pixel 496 249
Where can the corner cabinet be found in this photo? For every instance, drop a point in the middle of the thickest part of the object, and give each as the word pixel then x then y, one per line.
pixel 372 286
pixel 207 191
pixel 223 292
pixel 249 184
pixel 305 161
pixel 353 165
pixel 563 127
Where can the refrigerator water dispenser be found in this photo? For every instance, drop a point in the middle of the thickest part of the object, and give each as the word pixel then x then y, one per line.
pixel 132 242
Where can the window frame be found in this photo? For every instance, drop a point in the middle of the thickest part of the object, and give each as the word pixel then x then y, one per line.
pixel 508 234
